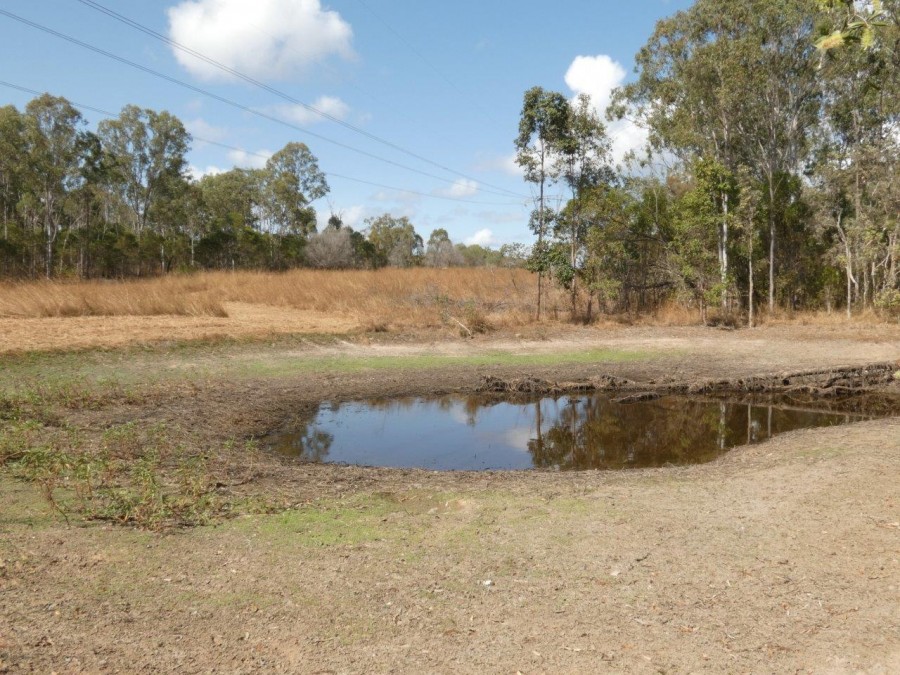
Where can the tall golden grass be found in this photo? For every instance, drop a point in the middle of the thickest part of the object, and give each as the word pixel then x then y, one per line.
pixel 155 297
pixel 420 297
pixel 400 297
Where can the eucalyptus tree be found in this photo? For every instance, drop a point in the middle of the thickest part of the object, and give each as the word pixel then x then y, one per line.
pixel 394 240
pixel 696 214
pixel 292 182
pixel 12 141
pixel 856 173
pixel 52 166
pixel 232 204
pixel 732 81
pixel 584 162
pixel 542 126
pixel 440 251
pixel 147 153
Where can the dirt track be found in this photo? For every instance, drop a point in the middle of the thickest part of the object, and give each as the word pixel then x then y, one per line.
pixel 781 557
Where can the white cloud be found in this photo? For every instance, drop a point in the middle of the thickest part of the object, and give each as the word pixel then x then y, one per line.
pixel 248 160
pixel 298 114
pixel 627 137
pixel 503 163
pixel 461 188
pixel 597 76
pixel 261 38
pixel 197 172
pixel 483 237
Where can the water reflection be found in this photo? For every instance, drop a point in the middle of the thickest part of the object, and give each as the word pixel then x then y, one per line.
pixel 567 433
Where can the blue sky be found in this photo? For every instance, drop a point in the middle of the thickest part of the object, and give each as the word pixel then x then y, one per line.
pixel 442 80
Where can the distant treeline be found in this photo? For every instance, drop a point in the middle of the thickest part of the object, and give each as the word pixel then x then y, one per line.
pixel 119 202
pixel 772 177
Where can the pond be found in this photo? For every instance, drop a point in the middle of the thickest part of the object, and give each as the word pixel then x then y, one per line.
pixel 568 433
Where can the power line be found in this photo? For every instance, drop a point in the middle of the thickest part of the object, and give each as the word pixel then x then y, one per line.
pixel 277 92
pixel 107 113
pixel 230 102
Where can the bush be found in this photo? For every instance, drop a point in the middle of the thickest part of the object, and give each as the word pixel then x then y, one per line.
pixel 888 302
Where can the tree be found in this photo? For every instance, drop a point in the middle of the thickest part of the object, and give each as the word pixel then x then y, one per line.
pixel 394 240
pixel 12 143
pixel 292 182
pixel 696 219
pixel 233 198
pixel 52 157
pixel 584 162
pixel 747 213
pixel 542 125
pixel 147 154
pixel 733 81
pixel 440 252
pixel 857 163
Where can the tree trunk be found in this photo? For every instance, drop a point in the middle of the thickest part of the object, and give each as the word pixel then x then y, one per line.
pixel 540 236
pixel 48 262
pixel 750 289
pixel 771 243
pixel 723 251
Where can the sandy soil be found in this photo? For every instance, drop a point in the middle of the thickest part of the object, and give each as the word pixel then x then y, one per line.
pixel 780 557
pixel 243 321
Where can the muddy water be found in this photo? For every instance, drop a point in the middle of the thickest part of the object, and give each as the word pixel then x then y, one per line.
pixel 578 432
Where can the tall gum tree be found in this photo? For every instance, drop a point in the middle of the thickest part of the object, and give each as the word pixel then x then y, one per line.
pixel 857 159
pixel 146 153
pixel 584 163
pixel 293 181
pixel 542 126
pixel 52 159
pixel 732 81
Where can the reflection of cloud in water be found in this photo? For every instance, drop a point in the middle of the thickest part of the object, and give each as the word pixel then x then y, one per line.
pixel 518 438
pixel 507 427
pixel 458 413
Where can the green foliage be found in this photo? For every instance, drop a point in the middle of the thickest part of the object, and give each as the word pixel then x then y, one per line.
pixel 888 302
pixel 395 241
pixel 292 181
pixel 851 22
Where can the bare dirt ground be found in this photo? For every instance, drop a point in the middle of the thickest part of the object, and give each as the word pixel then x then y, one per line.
pixel 780 557
pixel 243 321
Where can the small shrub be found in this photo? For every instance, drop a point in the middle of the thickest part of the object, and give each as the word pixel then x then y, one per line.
pixel 888 303
pixel 16 439
pixel 46 467
pixel 475 318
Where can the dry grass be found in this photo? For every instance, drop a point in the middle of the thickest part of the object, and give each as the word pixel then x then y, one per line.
pixel 45 315
pixel 867 317
pixel 178 296
pixel 383 298
pixel 399 298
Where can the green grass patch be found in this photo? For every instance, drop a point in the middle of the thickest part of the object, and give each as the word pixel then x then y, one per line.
pixel 347 523
pixel 86 379
pixel 283 367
